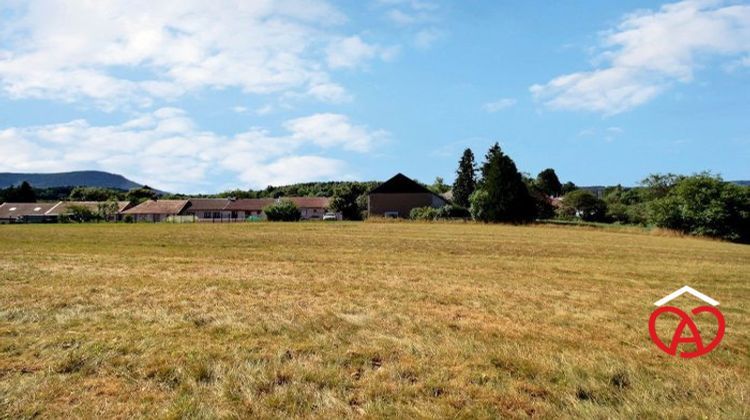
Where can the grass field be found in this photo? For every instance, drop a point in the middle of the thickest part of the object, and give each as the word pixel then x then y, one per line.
pixel 360 319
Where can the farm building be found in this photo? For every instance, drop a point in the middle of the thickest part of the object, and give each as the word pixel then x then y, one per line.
pixel 211 210
pixel 157 210
pixel 49 212
pixel 311 208
pixel 399 195
pixel 26 212
pixel 248 207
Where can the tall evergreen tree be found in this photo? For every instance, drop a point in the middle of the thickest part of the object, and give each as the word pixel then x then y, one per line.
pixel 506 197
pixel 548 183
pixel 466 182
pixel 21 194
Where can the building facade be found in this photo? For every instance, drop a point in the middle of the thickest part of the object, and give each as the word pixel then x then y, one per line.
pixel 397 197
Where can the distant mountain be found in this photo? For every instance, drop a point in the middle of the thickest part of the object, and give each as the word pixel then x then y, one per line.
pixel 745 183
pixel 69 179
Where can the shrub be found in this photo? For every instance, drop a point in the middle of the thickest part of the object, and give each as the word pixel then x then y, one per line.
pixel 480 201
pixel 81 214
pixel 282 211
pixel 542 204
pixel 704 205
pixel 423 213
pixel 452 211
pixel 583 205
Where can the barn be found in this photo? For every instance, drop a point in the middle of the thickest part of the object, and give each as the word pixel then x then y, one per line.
pixel 399 195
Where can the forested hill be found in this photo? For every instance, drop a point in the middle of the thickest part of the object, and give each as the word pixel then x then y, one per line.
pixel 68 179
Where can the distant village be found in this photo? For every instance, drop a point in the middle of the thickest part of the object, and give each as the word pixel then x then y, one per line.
pixel 395 198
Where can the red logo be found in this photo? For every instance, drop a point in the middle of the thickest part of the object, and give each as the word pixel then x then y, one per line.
pixel 686 320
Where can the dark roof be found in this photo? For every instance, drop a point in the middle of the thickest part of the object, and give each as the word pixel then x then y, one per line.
pixel 13 210
pixel 400 184
pixel 309 202
pixel 203 204
pixel 158 207
pixel 249 204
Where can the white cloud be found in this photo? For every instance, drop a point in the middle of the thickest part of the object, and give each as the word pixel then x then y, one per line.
pixel 409 12
pixel 264 110
pixel 335 130
pixel 330 92
pixel 608 134
pixel 133 51
pixel 351 52
pixel 166 149
pixel 417 15
pixel 648 52
pixel 291 169
pixel 499 105
pixel 426 37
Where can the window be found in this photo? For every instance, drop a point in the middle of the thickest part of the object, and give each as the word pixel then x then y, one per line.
pixel 391 214
pixel 206 214
pixel 217 215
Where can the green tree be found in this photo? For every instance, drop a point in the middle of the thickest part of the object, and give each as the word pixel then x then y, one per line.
pixel 80 214
pixel 24 193
pixel 282 211
pixel 139 195
pixel 465 182
pixel 479 203
pixel 93 194
pixel 583 205
pixel 507 197
pixel 658 185
pixel 542 204
pixel 107 210
pixel 347 200
pixel 704 204
pixel 548 183
pixel 568 187
pixel 625 205
pixel 439 186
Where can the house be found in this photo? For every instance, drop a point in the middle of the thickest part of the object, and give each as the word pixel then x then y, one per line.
pixel 249 207
pixel 311 208
pixel 157 210
pixel 49 212
pixel 212 210
pixel 26 212
pixel 399 195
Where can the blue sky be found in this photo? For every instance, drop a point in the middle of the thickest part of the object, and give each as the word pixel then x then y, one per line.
pixel 197 96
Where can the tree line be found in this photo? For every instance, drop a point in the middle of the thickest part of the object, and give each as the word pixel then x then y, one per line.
pixel 496 191
pixel 700 204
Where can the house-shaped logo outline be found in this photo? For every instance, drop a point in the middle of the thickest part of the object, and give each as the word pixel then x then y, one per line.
pixel 686 289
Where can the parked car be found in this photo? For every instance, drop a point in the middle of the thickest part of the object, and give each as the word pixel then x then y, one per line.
pixel 330 216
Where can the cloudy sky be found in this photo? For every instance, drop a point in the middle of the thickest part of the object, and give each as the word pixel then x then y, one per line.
pixel 198 96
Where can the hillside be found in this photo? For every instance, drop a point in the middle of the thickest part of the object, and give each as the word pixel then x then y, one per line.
pixel 69 179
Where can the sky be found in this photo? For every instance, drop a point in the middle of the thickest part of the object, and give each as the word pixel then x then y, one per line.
pixel 199 97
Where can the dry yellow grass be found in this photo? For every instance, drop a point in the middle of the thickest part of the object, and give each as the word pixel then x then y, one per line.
pixel 359 319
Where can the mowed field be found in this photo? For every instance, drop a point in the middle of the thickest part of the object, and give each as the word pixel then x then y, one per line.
pixel 336 320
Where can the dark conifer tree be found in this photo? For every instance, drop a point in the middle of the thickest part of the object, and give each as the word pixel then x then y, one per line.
pixel 507 197
pixel 466 182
